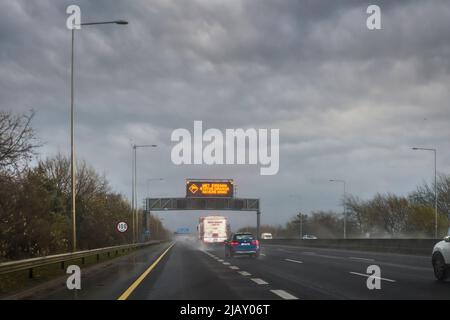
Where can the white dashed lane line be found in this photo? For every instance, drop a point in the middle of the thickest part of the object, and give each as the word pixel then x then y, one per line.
pixel 283 294
pixel 368 275
pixel 259 281
pixel 362 259
pixel 322 255
pixel 295 261
pixel 262 254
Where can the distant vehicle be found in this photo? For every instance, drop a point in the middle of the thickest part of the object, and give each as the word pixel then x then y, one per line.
pixel 183 230
pixel 242 243
pixel 266 235
pixel 213 229
pixel 309 237
pixel 441 259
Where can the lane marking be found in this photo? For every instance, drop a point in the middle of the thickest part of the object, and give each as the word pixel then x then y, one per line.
pixel 262 254
pixel 129 291
pixel 295 261
pixel 322 255
pixel 362 259
pixel 368 275
pixel 234 267
pixel 220 260
pixel 259 281
pixel 283 294
pixel 226 263
pixel 244 273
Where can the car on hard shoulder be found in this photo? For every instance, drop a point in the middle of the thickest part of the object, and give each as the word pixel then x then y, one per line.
pixel 266 236
pixel 242 243
pixel 309 237
pixel 441 259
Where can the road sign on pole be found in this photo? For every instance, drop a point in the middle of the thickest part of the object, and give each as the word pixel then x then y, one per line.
pixel 122 227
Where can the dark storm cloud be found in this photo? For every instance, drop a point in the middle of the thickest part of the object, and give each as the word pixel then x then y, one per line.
pixel 349 102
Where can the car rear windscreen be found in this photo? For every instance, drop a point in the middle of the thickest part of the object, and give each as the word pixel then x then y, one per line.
pixel 243 237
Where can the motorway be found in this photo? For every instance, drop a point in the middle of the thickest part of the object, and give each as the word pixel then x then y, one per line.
pixel 182 270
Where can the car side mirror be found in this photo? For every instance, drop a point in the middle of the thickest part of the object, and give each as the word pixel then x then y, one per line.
pixel 447 239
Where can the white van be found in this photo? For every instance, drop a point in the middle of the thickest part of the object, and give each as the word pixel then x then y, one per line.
pixel 266 235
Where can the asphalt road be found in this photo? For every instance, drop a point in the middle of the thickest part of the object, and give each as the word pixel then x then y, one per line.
pixel 186 271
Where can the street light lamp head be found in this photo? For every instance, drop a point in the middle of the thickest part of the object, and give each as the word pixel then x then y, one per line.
pixel 415 148
pixel 121 22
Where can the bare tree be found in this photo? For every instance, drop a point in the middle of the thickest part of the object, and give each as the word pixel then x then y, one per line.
pixel 17 140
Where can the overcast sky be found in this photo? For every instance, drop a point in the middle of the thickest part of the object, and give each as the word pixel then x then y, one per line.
pixel 349 102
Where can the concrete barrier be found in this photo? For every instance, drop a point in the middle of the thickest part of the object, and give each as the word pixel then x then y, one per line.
pixel 404 246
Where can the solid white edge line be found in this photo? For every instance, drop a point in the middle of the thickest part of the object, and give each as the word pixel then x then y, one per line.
pixel 368 275
pixel 283 294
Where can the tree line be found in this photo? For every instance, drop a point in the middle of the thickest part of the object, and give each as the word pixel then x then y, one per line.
pixel 383 216
pixel 35 199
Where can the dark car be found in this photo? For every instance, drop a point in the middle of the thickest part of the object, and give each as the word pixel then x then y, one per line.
pixel 242 244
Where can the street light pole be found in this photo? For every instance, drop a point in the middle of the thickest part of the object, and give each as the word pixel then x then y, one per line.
pixel 344 204
pixel 132 196
pixel 72 142
pixel 299 215
pixel 134 188
pixel 148 214
pixel 72 149
pixel 435 189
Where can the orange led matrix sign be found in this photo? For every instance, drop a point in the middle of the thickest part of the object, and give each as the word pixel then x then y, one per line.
pixel 209 188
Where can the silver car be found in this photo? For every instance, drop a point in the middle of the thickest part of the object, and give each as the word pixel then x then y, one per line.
pixel 441 259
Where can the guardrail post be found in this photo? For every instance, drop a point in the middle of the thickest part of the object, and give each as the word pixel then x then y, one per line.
pixel 82 260
pixel 30 273
pixel 62 265
pixel 98 257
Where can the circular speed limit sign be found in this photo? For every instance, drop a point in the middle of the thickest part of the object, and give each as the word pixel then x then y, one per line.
pixel 122 226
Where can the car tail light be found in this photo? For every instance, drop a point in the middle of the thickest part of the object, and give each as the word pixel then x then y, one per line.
pixel 255 243
pixel 234 243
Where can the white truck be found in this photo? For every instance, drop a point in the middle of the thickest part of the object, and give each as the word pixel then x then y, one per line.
pixel 213 229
